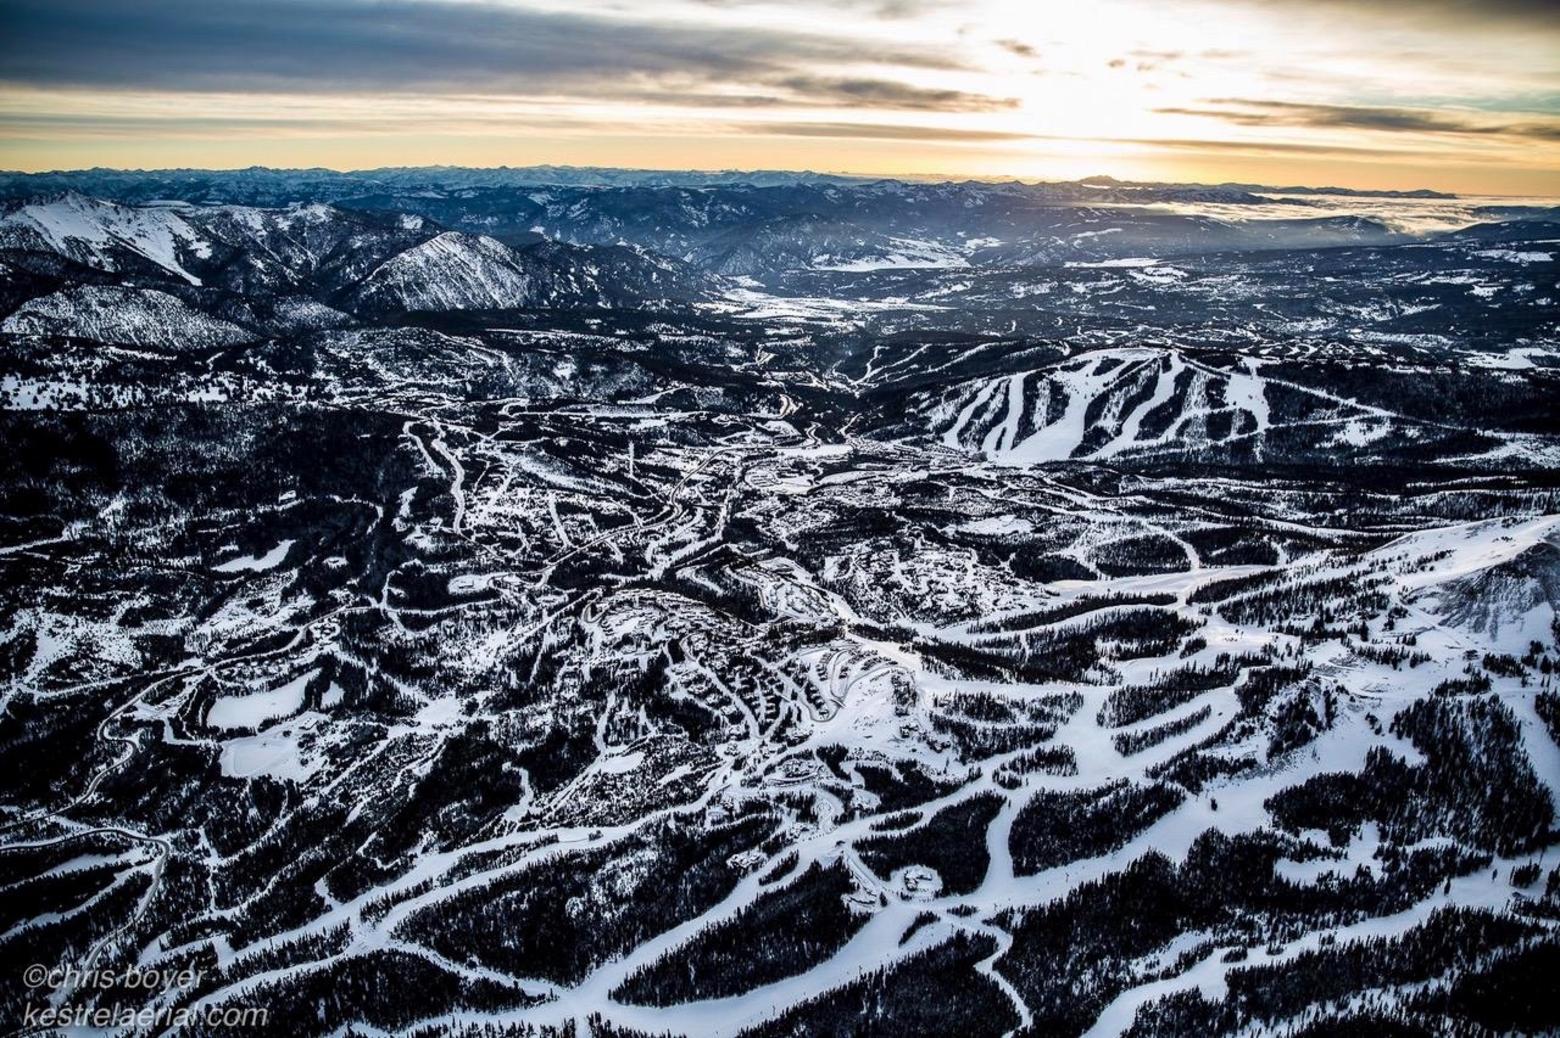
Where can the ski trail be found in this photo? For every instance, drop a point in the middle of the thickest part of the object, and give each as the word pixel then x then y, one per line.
pixel 1164 389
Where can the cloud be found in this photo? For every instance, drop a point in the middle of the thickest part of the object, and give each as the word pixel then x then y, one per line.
pixel 395 46
pixel 891 10
pixel 882 93
pixel 1462 15
pixel 1019 48
pixel 1388 120
pixel 319 121
pixel 1258 147
pixel 881 131
pixel 898 9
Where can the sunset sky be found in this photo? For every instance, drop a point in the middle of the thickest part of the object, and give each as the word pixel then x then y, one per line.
pixel 1451 94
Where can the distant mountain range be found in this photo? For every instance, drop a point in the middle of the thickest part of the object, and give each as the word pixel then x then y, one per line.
pixel 214 257
pixel 317 231
pixel 258 183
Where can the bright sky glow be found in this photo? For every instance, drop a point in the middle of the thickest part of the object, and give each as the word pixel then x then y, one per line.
pixel 1445 94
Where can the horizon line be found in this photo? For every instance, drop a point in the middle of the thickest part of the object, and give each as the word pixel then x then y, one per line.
pixel 938 178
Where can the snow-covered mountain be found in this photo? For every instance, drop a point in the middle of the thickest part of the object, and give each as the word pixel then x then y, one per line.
pixel 104 235
pixel 342 257
pixel 764 225
pixel 452 271
pixel 136 316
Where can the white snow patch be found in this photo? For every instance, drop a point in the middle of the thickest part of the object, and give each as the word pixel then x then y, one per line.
pixel 997 526
pixel 1515 256
pixel 1125 261
pixel 274 753
pixel 256 563
pixel 257 708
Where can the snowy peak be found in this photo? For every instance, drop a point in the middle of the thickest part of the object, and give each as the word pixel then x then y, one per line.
pixel 99 234
pixel 458 271
pixel 382 262
pixel 451 271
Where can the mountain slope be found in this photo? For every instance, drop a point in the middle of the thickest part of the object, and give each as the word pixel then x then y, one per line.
pixel 452 271
pixel 134 316
pixel 104 235
pixel 378 262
